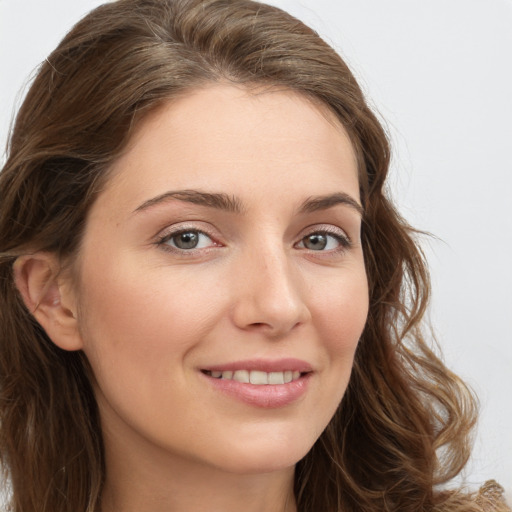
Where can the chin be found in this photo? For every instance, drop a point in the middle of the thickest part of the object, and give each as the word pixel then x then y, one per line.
pixel 266 457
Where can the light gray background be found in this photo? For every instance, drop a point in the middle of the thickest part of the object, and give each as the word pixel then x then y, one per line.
pixel 439 72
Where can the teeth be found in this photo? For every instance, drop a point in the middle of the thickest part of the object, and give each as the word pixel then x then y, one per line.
pixel 241 376
pixel 260 378
pixel 256 377
pixel 276 378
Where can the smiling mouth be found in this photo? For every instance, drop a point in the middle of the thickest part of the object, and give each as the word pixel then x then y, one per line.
pixel 256 377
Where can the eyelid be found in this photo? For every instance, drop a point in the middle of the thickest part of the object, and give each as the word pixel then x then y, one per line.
pixel 182 227
pixel 176 229
pixel 336 232
pixel 328 229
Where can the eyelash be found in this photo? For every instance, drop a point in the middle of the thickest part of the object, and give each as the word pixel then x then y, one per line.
pixel 162 241
pixel 342 239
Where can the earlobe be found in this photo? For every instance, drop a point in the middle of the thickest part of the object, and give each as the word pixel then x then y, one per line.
pixel 37 277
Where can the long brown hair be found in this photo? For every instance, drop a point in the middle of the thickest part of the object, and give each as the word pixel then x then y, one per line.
pixel 403 425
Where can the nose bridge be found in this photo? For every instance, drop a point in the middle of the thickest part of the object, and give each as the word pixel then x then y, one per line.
pixel 270 295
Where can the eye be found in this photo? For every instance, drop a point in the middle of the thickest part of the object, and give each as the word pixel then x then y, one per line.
pixel 187 240
pixel 323 241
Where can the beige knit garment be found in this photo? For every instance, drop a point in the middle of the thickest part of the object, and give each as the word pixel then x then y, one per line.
pixel 490 497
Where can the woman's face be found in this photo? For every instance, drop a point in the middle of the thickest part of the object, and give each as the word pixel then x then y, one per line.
pixel 224 249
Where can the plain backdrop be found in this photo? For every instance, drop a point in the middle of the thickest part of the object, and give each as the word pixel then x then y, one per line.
pixel 439 73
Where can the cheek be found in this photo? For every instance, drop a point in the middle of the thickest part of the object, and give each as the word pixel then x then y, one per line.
pixel 340 317
pixel 125 302
pixel 340 312
pixel 136 322
pixel 137 331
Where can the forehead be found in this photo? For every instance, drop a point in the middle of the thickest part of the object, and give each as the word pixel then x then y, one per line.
pixel 226 136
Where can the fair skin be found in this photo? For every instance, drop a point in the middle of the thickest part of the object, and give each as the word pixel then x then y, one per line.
pixel 227 238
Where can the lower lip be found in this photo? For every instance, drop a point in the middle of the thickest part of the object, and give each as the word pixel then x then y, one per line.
pixel 266 396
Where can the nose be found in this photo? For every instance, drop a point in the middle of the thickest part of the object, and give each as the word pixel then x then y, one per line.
pixel 269 294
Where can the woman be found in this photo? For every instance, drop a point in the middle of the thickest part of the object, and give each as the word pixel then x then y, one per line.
pixel 208 301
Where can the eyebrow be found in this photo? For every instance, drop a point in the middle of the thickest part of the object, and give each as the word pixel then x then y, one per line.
pixel 211 200
pixel 232 204
pixel 317 203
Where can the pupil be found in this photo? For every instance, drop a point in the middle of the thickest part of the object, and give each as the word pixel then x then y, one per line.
pixel 187 240
pixel 315 242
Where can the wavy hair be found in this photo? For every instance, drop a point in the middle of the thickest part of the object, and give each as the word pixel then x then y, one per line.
pixel 403 426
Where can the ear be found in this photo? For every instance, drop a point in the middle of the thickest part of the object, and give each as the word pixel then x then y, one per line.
pixel 49 297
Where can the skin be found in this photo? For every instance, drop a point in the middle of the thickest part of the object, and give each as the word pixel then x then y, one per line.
pixel 150 316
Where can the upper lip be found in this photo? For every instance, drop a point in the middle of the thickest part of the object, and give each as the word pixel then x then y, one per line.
pixel 264 365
